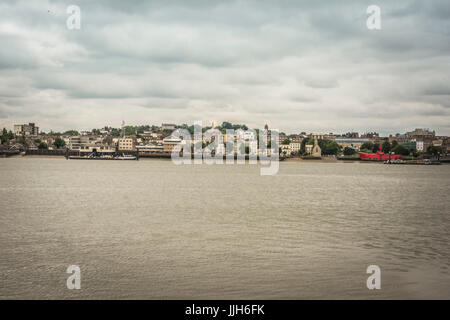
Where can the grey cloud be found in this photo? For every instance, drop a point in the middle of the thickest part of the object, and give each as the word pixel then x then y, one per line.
pixel 307 65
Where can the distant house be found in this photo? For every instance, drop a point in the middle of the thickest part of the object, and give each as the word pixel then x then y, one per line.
pixel 127 144
pixel 169 143
pixel 26 129
pixel 285 149
pixel 294 147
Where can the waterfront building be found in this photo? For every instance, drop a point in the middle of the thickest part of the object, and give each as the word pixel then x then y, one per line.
pixel 98 148
pixel 169 143
pixel 285 150
pixel 150 148
pixel 423 137
pixel 82 142
pixel 74 142
pixel 127 144
pixel 423 144
pixel 419 145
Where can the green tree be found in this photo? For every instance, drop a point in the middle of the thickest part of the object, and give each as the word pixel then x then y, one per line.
pixel 10 135
pixel 6 135
pixel 115 132
pixel 43 145
pixel 386 146
pixel 394 144
pixel 59 143
pixel 72 133
pixel 399 149
pixel 376 147
pixel 329 147
pixel 434 150
pixel 304 143
pixel 226 125
pixel 367 146
pixel 3 137
pixel 349 151
pixel 286 141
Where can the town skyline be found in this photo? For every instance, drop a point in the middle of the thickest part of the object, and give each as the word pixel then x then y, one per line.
pixel 159 141
pixel 205 124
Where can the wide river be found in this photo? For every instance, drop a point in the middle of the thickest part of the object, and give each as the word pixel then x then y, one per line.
pixel 149 229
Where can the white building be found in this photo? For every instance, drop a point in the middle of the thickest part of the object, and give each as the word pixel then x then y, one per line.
pixel 295 147
pixel 285 149
pixel 150 148
pixel 419 145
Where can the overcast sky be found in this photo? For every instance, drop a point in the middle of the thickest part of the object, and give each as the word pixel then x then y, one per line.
pixel 297 65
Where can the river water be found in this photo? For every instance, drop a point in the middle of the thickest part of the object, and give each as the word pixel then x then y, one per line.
pixel 149 229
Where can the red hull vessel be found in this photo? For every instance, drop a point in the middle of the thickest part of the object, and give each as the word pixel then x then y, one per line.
pixel 380 155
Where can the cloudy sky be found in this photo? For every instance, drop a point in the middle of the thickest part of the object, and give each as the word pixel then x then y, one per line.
pixel 296 65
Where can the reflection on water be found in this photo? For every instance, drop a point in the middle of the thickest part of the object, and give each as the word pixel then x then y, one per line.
pixel 150 229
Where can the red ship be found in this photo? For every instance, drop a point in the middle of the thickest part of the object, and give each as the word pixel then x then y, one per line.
pixel 380 155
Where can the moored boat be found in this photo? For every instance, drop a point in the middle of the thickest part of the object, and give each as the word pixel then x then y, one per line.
pixel 125 157
pixel 379 156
